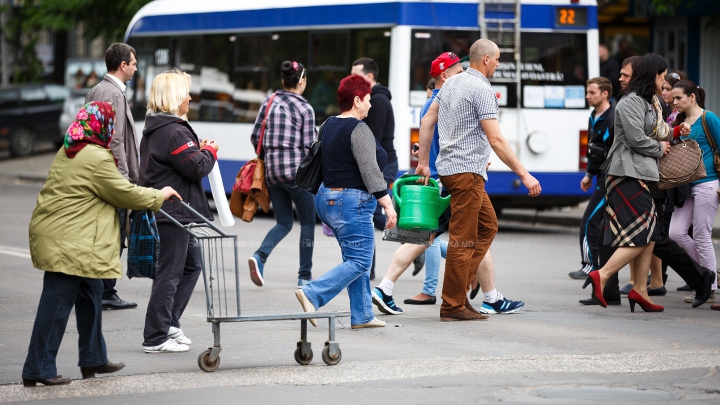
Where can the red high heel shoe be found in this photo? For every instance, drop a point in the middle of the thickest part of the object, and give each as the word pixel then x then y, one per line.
pixel 635 297
pixel 594 278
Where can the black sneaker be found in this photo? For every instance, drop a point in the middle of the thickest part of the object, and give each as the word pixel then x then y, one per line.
pixel 385 303
pixel 419 262
pixel 578 275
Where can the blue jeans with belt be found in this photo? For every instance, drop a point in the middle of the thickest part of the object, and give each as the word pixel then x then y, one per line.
pixel 61 292
pixel 349 213
pixel 282 196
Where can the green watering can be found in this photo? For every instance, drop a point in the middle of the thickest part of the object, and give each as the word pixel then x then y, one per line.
pixel 420 205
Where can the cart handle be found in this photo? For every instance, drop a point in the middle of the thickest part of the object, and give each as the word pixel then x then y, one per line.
pixel 199 215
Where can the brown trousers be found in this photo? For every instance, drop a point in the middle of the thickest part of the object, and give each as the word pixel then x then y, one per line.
pixel 473 226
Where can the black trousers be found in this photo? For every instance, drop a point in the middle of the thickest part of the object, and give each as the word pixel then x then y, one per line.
pixel 60 293
pixel 591 228
pixel 667 250
pixel 179 267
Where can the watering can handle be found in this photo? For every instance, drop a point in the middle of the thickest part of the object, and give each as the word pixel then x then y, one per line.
pixel 408 180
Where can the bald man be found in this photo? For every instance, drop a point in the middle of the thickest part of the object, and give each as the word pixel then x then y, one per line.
pixel 466 111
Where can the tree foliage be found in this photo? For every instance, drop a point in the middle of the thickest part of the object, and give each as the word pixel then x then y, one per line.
pixel 99 18
pixel 668 8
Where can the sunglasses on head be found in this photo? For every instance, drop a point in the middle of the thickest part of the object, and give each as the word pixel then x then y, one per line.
pixel 675 76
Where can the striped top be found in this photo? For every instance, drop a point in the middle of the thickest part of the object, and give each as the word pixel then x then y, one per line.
pixel 464 101
pixel 290 127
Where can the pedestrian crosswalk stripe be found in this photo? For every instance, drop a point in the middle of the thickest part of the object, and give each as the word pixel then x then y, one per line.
pixel 13 251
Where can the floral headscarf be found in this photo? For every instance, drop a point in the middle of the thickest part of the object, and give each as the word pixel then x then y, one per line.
pixel 94 124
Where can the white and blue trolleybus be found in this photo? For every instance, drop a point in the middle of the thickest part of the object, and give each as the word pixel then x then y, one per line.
pixel 233 50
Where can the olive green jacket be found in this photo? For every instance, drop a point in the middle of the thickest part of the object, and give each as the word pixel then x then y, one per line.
pixel 74 228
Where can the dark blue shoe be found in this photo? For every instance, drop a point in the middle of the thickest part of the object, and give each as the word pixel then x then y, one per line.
pixel 256 270
pixel 385 303
pixel 501 306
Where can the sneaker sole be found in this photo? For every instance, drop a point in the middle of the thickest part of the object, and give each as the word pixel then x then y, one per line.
pixel 494 312
pixel 165 351
pixel 254 273
pixel 382 306
pixel 366 326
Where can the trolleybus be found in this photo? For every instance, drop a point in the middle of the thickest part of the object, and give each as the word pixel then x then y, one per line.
pixel 233 50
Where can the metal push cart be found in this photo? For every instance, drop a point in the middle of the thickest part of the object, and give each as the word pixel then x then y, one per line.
pixel 223 307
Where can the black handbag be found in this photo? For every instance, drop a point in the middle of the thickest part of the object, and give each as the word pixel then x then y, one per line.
pixel 143 245
pixel 309 173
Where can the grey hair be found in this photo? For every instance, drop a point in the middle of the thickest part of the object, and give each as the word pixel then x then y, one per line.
pixel 482 47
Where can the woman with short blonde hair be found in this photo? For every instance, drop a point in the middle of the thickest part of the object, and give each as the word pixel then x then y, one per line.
pixel 173 155
pixel 168 91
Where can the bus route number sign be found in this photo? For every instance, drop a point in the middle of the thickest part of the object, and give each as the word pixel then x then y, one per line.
pixel 571 17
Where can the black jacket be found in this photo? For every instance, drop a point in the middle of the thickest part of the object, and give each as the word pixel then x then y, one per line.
pixel 170 156
pixel 381 120
pixel 601 132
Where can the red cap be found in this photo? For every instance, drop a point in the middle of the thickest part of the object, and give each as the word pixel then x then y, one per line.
pixel 442 63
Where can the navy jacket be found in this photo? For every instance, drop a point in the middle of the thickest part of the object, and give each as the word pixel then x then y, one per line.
pixel 381 120
pixel 170 155
pixel 601 131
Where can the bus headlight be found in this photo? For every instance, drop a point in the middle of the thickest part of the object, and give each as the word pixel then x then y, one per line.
pixel 538 142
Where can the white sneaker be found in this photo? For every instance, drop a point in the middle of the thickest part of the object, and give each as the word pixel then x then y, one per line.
pixel 171 346
pixel 178 335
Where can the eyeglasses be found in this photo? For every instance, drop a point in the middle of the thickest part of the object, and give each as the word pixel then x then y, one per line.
pixel 675 76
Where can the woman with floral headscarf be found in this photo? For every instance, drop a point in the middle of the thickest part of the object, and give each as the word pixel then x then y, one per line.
pixel 73 238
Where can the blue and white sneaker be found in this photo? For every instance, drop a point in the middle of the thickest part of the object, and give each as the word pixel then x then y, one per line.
pixel 256 270
pixel 385 303
pixel 501 306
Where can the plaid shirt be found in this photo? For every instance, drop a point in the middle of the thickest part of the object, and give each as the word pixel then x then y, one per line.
pixel 464 101
pixel 290 127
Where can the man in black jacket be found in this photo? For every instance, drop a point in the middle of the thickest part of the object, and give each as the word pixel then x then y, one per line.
pixel 381 121
pixel 601 133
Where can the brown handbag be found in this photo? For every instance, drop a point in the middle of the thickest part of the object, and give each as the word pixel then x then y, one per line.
pixel 683 164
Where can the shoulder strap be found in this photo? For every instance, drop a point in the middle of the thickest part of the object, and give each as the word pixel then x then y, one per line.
pixel 710 139
pixel 322 128
pixel 264 124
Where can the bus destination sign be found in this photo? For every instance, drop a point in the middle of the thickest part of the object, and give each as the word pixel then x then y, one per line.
pixel 575 17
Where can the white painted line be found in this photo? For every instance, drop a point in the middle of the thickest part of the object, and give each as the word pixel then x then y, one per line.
pixel 13 251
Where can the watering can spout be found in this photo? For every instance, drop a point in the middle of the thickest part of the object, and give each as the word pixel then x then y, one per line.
pixel 444 203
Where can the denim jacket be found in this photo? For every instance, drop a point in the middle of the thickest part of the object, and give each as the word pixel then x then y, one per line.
pixel 633 153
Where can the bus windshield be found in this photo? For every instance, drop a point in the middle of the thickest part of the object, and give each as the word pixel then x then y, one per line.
pixel 554 67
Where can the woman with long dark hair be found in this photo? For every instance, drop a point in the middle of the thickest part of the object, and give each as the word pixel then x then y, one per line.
pixel 700 207
pixel 641 136
pixel 290 126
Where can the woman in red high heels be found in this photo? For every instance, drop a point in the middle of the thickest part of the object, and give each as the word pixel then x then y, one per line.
pixel 641 137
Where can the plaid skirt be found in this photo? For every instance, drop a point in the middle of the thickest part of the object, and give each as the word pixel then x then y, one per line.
pixel 630 213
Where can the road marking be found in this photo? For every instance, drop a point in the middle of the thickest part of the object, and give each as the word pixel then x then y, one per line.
pixel 13 251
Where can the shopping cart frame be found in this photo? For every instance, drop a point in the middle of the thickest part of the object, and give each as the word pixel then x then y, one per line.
pixel 208 235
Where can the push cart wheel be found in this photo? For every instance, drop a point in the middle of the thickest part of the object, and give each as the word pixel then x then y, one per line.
pixel 303 360
pixel 205 363
pixel 329 360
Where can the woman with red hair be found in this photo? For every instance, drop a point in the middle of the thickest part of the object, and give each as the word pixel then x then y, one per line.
pixel 353 185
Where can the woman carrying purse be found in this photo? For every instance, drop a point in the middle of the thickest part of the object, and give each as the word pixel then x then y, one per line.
pixel 700 207
pixel 289 127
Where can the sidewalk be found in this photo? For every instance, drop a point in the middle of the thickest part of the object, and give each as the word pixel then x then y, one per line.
pixel 35 168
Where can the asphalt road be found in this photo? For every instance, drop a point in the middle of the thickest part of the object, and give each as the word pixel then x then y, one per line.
pixel 553 352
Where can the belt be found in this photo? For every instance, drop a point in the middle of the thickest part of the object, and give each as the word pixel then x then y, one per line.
pixel 338 189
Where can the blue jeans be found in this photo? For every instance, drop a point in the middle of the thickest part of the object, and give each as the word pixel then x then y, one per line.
pixel 349 213
pixel 432 265
pixel 60 293
pixel 283 195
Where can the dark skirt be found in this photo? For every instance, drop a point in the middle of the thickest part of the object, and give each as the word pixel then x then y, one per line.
pixel 630 213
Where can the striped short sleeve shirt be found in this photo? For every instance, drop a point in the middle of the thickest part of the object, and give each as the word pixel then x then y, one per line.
pixel 464 100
